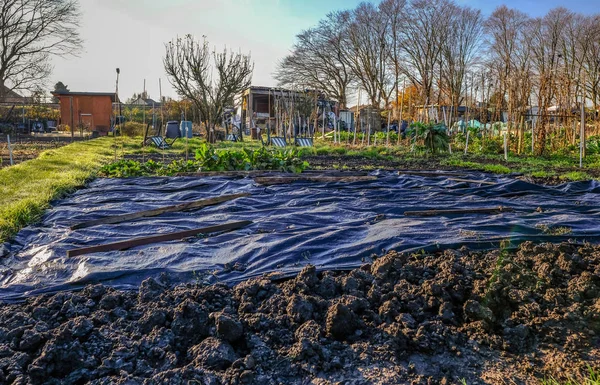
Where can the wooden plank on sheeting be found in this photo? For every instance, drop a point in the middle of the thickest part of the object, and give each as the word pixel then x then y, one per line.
pixel 123 245
pixel 267 181
pixel 431 213
pixel 154 212
pixel 473 181
pixel 266 173
pixel 431 173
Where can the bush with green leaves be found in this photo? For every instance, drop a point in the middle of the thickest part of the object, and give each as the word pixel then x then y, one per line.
pixel 434 137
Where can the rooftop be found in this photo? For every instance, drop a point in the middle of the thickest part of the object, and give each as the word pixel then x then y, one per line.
pixel 69 93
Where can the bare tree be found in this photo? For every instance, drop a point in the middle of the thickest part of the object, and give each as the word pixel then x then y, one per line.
pixel 509 55
pixel 425 27
pixel 211 80
pixel 367 54
pixel 317 60
pixel 460 51
pixel 31 32
pixel 589 52
pixel 394 11
pixel 546 35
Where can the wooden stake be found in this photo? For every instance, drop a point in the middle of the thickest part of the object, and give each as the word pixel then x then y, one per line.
pixel 10 151
pixel 431 213
pixel 123 245
pixel 155 212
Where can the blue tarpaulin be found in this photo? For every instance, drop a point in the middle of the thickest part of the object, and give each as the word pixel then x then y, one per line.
pixel 330 225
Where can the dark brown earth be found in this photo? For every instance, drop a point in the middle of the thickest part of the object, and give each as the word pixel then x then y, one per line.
pixel 431 164
pixel 24 150
pixel 357 163
pixel 483 317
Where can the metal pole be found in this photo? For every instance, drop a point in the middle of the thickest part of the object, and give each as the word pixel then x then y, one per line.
pixel 323 129
pixel 334 128
pixel 144 100
pixel 401 108
pixel 582 132
pixel 533 120
pixel 387 143
pixel 162 117
pixel 72 122
pixel 505 147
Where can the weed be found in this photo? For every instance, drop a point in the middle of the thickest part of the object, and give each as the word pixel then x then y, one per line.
pixel 496 169
pixel 469 234
pixel 576 176
pixel 549 230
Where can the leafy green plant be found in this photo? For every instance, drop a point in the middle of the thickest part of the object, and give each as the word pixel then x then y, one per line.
pixel 592 145
pixel 130 168
pixel 210 159
pixel 433 136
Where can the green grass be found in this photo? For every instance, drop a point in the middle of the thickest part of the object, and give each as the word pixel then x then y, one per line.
pixel 27 189
pixel 592 379
pixel 575 176
pixel 543 174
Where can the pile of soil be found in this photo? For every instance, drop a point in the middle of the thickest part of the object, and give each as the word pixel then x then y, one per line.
pixel 481 317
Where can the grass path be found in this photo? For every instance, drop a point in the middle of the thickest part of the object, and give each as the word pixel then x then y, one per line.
pixel 27 189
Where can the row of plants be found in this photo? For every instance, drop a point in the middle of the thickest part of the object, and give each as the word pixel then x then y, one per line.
pixel 209 158
pixel 434 138
pixel 421 137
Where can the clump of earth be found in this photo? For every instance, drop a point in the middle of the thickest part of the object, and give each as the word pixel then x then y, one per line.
pixel 456 316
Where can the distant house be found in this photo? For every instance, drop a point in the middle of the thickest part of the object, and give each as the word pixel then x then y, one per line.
pixel 9 96
pixel 90 109
pixel 259 103
pixel 148 102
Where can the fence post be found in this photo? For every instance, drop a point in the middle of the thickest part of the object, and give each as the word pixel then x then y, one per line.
pixel 467 143
pixel 505 147
pixel 532 136
pixel 9 149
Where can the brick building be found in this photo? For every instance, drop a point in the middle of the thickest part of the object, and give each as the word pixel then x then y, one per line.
pixel 94 110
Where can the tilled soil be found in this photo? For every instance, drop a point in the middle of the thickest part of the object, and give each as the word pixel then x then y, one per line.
pixel 26 150
pixel 483 317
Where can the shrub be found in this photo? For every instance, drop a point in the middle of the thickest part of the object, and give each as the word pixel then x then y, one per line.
pixel 132 129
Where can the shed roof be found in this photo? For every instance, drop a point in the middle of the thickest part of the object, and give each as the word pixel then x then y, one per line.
pixel 112 95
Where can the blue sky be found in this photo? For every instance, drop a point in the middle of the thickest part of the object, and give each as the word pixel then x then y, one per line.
pixel 131 35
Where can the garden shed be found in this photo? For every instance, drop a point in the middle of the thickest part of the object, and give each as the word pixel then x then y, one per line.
pixel 92 110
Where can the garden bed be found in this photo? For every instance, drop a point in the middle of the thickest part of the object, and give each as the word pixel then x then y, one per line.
pixel 26 150
pixel 456 316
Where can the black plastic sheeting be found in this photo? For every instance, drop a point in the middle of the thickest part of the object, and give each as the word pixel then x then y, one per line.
pixel 330 225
